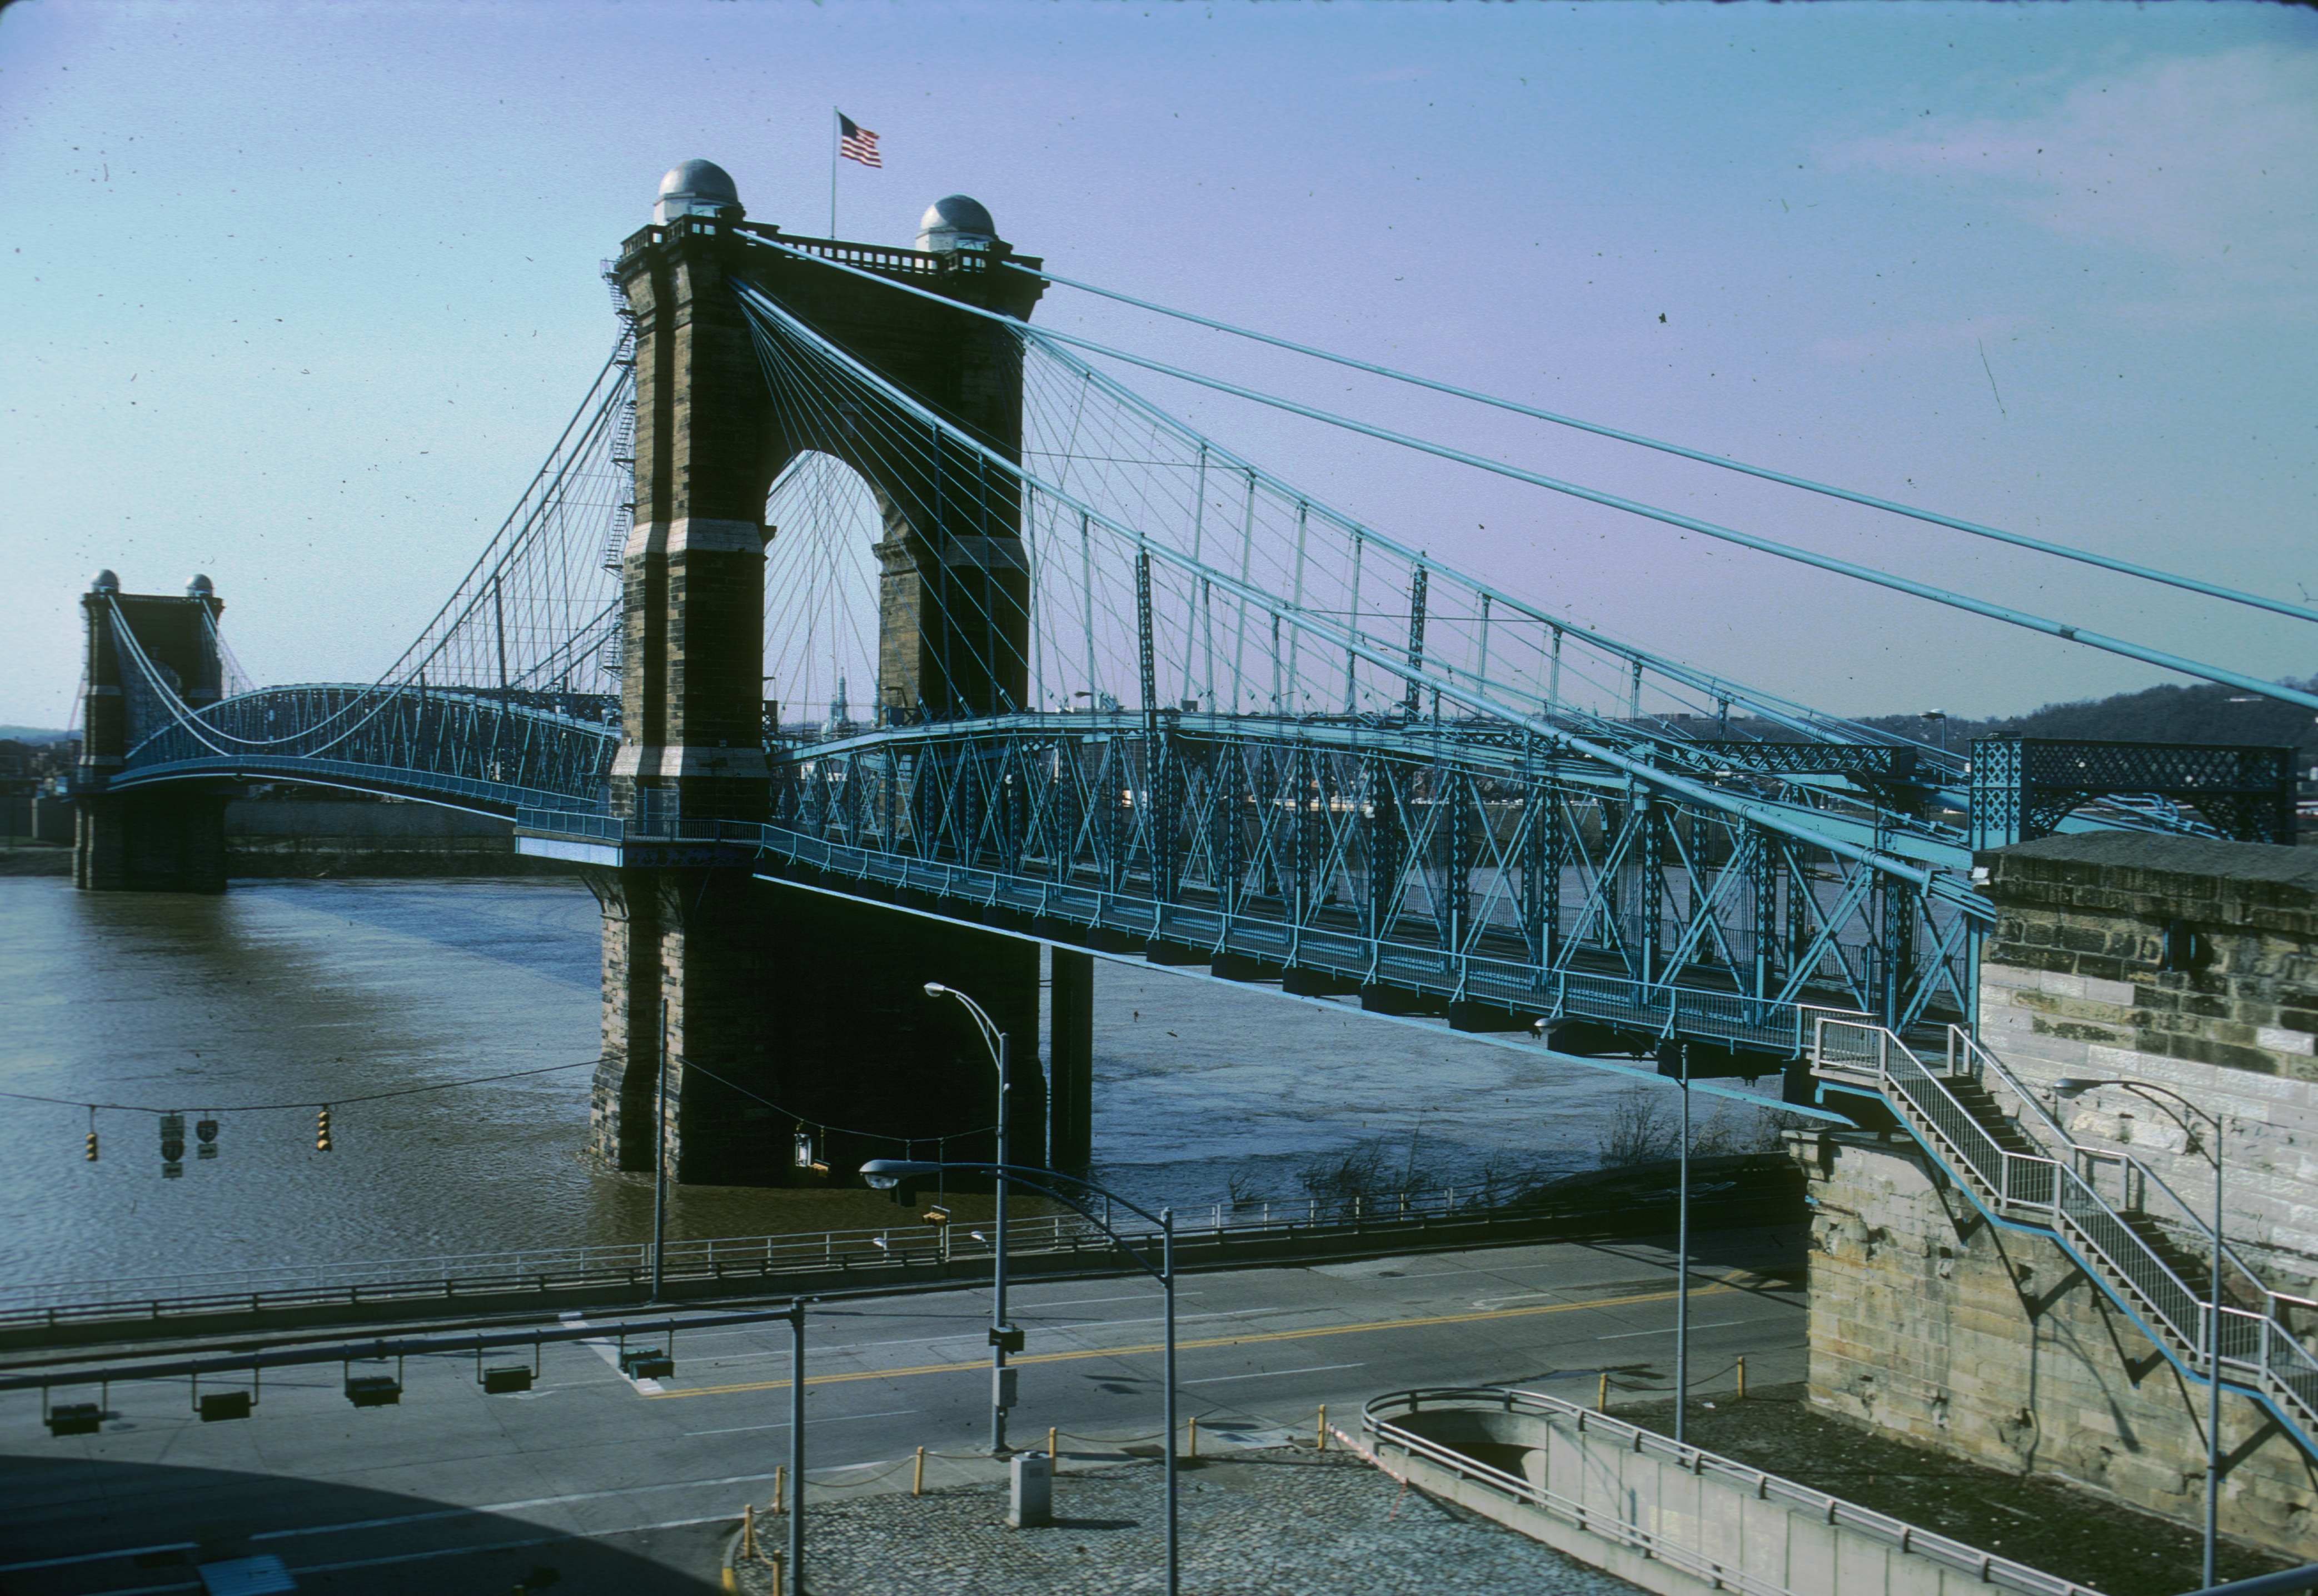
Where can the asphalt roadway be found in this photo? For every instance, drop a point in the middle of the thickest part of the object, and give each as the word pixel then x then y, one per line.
pixel 592 1482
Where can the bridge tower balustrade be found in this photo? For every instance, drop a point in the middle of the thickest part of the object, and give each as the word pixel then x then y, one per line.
pixel 171 840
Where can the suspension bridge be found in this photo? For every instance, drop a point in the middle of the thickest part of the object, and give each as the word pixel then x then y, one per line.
pixel 847 575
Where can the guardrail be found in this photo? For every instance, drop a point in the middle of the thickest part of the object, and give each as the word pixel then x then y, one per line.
pixel 1378 1419
pixel 62 1304
pixel 2051 1191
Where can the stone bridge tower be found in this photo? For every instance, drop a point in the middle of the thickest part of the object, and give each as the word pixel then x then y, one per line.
pixel 172 840
pixel 795 1024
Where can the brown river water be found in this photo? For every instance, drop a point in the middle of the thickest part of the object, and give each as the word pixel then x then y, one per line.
pixel 297 992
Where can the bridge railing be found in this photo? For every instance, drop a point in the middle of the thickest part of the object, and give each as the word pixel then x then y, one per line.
pixel 2255 1347
pixel 1771 1025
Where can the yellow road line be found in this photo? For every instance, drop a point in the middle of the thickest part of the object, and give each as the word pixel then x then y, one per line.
pixel 1147 1348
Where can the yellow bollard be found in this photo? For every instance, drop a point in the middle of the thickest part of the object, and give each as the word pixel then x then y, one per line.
pixel 918 1476
pixel 1320 1432
pixel 779 1496
pixel 777 1572
pixel 1054 1457
pixel 1194 1452
pixel 1742 1379
pixel 1602 1393
pixel 749 1530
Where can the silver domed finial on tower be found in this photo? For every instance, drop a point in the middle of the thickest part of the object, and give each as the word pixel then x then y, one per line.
pixel 955 222
pixel 697 188
pixel 104 581
pixel 200 587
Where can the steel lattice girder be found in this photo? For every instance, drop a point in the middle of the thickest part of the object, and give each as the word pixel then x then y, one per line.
pixel 2023 788
pixel 1413 850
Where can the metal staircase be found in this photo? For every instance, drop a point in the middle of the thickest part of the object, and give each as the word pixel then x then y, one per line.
pixel 2115 1218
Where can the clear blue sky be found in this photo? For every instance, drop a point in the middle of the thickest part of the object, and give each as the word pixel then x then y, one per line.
pixel 299 295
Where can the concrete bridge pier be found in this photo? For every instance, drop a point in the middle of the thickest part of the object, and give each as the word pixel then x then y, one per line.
pixel 799 1034
pixel 172 840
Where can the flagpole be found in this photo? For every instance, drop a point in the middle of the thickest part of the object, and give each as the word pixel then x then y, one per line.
pixel 836 121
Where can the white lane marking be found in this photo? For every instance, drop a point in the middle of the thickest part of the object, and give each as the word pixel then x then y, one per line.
pixel 1271 1374
pixel 174 1545
pixel 606 1348
pixel 784 1423
pixel 495 1546
pixel 1628 1335
pixel 1487 1303
pixel 504 1507
pixel 1074 1302
pixel 975 1335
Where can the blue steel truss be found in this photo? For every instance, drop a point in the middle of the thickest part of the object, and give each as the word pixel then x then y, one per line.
pixel 1249 730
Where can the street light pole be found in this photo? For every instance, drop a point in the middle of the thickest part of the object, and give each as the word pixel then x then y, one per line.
pixel 994 1040
pixel 1682 1261
pixel 998 1275
pixel 2070 1086
pixel 660 1159
pixel 1167 1286
pixel 887 1172
pixel 796 1572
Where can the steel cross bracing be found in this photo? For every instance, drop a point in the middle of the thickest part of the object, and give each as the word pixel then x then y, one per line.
pixel 1222 715
pixel 1520 882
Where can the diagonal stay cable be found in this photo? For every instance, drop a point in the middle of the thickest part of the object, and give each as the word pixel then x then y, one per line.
pixel 1866 573
pixel 1933 517
pixel 1777 818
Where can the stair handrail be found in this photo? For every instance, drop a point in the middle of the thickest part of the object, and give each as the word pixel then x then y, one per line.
pixel 2185 1214
pixel 2279 1360
pixel 1969 1141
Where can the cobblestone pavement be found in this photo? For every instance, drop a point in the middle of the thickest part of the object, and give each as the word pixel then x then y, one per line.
pixel 1280 1521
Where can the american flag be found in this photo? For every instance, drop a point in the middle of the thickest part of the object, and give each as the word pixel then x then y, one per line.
pixel 856 142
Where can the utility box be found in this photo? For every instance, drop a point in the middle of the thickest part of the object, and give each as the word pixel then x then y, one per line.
pixel 508 1377
pixel 1031 1499
pixel 1005 1388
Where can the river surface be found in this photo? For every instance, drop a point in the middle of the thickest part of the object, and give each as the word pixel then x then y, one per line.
pixel 298 991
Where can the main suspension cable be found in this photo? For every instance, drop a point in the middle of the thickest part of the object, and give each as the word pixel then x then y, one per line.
pixel 1784 479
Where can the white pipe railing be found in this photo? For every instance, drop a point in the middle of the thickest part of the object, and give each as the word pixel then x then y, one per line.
pixel 2056 1193
pixel 751 1257
pixel 1754 1482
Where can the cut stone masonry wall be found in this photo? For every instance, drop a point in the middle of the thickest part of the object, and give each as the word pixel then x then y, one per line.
pixel 1931 1322
pixel 2187 965
pixel 2074 981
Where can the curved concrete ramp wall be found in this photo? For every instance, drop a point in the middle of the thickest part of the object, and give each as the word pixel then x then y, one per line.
pixel 1669 1518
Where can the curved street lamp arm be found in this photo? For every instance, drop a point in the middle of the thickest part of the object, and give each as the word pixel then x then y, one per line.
pixel 982 1022
pixel 1037 1179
